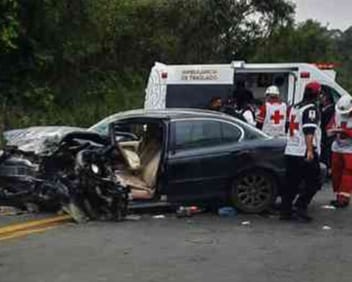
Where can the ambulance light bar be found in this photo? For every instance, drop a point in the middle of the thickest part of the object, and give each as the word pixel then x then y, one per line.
pixel 325 66
pixel 305 74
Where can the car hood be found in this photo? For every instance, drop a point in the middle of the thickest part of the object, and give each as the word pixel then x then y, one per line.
pixel 40 140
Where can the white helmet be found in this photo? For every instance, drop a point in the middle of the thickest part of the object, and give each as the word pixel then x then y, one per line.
pixel 344 105
pixel 272 91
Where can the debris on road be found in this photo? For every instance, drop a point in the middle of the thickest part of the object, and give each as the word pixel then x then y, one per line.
pixel 133 217
pixel 204 240
pixel 227 212
pixel 246 223
pixel 326 227
pixel 159 216
pixel 328 207
pixel 187 211
pixel 32 208
pixel 8 211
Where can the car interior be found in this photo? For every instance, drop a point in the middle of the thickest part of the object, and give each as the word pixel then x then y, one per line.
pixel 142 157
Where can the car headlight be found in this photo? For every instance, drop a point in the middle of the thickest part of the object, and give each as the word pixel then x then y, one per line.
pixel 95 168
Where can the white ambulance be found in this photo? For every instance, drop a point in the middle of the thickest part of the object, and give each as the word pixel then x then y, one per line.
pixel 193 86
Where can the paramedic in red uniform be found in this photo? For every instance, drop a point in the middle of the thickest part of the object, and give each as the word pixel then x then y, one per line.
pixel 342 152
pixel 302 156
pixel 273 114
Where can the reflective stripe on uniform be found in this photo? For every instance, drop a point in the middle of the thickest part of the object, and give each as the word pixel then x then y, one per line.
pixel 309 125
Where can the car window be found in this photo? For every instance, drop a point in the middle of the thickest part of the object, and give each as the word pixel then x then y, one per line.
pixel 230 133
pixel 204 133
pixel 102 127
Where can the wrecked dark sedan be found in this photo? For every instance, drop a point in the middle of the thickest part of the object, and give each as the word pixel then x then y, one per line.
pixel 182 156
pixel 193 156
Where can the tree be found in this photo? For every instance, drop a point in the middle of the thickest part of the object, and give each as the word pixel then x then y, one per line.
pixel 306 42
pixel 75 61
pixel 9 25
pixel 344 45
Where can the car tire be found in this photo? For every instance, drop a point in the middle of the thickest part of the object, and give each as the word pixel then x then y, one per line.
pixel 253 191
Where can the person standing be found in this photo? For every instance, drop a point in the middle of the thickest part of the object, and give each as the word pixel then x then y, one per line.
pixel 243 105
pixel 215 104
pixel 302 156
pixel 327 115
pixel 272 114
pixel 341 162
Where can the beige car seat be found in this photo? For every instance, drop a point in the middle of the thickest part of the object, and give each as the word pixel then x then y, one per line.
pixel 143 182
pixel 132 159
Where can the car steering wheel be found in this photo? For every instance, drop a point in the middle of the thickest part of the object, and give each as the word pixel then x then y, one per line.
pixel 125 136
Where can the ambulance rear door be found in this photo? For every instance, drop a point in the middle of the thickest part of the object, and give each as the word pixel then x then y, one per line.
pixel 155 93
pixel 258 77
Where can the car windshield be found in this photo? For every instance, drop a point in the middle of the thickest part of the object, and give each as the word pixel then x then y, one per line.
pixel 102 127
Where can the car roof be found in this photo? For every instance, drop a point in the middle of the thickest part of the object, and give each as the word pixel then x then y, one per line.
pixel 171 113
pixel 174 114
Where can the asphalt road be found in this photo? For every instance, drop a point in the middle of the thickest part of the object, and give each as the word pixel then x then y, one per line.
pixel 204 248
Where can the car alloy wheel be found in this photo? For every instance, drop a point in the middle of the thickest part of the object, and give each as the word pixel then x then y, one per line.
pixel 253 191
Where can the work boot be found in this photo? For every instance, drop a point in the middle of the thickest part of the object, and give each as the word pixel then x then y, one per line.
pixel 303 216
pixel 338 204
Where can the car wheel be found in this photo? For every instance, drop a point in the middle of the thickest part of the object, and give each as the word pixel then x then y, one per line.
pixel 253 191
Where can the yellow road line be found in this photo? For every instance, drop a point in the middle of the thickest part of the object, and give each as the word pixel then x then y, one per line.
pixel 22 233
pixel 34 224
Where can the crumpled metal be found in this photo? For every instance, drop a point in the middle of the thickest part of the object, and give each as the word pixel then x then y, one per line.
pixel 40 140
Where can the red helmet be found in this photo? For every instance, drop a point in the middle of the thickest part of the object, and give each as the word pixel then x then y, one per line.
pixel 313 89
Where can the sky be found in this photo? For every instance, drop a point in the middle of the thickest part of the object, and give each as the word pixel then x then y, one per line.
pixel 335 13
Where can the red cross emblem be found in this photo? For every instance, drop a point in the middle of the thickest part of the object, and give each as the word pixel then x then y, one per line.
pixel 277 117
pixel 293 125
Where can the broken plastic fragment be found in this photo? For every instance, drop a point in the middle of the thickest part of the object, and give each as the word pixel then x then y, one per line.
pixel 8 210
pixel 159 216
pixel 328 207
pixel 246 223
pixel 133 217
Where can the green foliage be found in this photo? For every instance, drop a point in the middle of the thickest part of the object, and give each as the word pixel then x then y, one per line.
pixel 9 25
pixel 74 62
pixel 306 42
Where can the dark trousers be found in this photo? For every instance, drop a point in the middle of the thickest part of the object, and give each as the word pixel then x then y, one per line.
pixel 326 151
pixel 303 180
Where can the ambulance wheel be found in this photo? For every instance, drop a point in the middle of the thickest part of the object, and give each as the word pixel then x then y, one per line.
pixel 253 191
